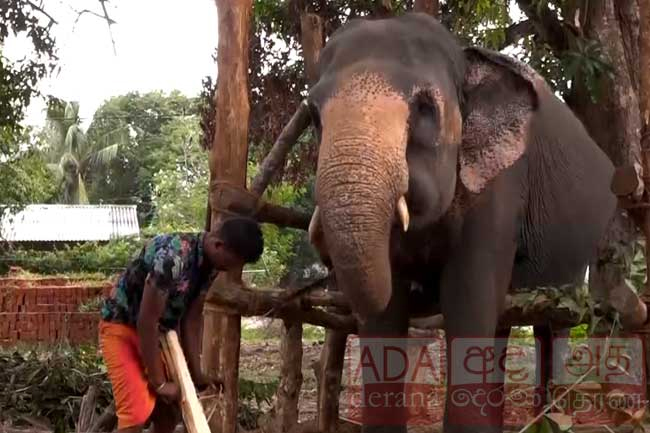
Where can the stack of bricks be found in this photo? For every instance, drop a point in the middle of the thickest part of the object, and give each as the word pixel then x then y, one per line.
pixel 46 310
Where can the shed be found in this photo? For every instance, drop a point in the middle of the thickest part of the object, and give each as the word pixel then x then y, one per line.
pixel 59 223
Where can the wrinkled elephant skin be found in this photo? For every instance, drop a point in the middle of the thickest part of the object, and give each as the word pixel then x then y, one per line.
pixel 454 169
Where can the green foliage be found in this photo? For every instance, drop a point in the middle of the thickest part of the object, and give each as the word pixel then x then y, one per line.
pixel 480 22
pixel 181 190
pixel 26 179
pixel 278 242
pixel 73 155
pixel 48 386
pixel 143 125
pixel 108 258
pixel 18 80
pixel 253 396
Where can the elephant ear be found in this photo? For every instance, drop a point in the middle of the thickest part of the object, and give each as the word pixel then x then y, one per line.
pixel 500 96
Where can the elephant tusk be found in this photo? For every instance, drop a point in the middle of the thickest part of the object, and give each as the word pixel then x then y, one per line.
pixel 313 225
pixel 403 212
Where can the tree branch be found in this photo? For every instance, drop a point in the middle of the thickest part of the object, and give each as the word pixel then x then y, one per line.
pixel 546 23
pixel 517 31
pixel 109 22
pixel 41 10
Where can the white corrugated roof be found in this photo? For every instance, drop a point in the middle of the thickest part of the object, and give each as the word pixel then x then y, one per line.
pixel 58 222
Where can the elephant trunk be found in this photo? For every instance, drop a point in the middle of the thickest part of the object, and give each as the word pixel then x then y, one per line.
pixel 362 176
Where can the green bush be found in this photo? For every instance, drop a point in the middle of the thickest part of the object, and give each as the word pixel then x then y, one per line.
pixel 107 259
pixel 49 385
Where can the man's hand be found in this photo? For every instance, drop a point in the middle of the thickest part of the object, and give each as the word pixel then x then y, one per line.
pixel 169 392
pixel 203 382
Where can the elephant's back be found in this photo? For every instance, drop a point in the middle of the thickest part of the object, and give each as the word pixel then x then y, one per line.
pixel 570 201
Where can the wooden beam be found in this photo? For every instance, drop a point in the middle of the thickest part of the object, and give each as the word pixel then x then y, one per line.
pixel 248 302
pixel 228 160
pixel 278 153
pixel 282 216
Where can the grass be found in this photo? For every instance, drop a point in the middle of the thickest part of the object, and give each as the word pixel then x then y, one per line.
pixel 272 332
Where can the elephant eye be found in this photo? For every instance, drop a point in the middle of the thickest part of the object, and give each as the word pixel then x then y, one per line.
pixel 424 124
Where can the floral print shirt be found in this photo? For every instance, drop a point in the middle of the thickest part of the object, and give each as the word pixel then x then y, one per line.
pixel 173 261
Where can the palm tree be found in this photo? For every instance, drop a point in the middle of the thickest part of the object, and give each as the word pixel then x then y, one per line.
pixel 73 156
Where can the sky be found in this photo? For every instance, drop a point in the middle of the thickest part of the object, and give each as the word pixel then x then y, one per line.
pixel 160 44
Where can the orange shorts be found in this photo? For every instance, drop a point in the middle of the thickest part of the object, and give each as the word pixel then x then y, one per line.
pixel 134 400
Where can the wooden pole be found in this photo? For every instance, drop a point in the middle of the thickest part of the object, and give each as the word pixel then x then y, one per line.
pixel 331 370
pixel 228 157
pixel 290 376
pixel 311 32
pixel 430 7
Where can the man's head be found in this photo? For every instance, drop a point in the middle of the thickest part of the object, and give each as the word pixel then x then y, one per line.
pixel 238 241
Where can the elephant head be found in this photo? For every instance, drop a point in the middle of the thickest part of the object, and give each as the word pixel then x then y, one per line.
pixel 405 118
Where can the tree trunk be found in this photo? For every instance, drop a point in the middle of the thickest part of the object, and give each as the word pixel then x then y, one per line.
pixel 613 122
pixel 311 30
pixel 644 67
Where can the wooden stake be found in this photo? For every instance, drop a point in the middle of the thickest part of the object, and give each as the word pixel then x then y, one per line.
pixel 290 376
pixel 331 365
pixel 175 362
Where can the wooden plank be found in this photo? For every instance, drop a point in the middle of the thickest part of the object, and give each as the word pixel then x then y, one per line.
pixel 193 416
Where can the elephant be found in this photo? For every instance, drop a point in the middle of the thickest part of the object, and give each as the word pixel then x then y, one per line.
pixel 453 168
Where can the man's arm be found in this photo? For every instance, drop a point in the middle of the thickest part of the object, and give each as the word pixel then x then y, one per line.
pixel 151 309
pixel 191 337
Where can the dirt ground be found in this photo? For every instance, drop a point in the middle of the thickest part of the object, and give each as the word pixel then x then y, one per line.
pixel 260 361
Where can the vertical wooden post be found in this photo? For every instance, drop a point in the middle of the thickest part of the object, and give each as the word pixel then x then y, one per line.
pixel 331 370
pixel 228 157
pixel 290 376
pixel 427 6
pixel 311 32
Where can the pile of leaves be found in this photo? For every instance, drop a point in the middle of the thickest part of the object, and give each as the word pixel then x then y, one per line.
pixel 45 388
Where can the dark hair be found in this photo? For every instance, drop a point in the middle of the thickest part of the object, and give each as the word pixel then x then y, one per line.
pixel 243 237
